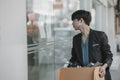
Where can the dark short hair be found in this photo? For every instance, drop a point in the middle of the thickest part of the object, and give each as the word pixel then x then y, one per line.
pixel 86 15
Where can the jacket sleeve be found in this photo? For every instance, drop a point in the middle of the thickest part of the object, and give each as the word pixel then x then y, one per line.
pixel 105 48
pixel 73 54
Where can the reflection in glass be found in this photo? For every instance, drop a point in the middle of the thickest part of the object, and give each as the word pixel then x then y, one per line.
pixel 49 33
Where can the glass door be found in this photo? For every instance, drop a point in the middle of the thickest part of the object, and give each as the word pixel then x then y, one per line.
pixel 49 35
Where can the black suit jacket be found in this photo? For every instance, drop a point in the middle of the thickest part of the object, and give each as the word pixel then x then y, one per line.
pixel 99 50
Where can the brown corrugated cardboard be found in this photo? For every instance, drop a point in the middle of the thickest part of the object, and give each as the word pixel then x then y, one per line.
pixel 76 73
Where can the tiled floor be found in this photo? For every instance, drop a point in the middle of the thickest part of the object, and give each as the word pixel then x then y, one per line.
pixel 115 74
pixel 115 67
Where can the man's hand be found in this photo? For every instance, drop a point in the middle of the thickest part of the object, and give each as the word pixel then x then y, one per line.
pixel 102 70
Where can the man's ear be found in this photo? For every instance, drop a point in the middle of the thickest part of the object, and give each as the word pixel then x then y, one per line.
pixel 81 20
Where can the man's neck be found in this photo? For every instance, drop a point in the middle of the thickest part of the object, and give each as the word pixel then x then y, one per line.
pixel 86 31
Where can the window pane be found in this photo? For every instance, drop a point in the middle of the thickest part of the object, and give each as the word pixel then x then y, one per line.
pixel 49 33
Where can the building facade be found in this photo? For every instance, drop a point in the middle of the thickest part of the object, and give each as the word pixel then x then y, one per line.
pixel 56 32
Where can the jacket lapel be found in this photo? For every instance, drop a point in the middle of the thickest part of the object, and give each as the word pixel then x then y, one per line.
pixel 79 48
pixel 90 45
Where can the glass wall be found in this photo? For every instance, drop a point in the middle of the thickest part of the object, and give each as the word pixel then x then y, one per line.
pixel 49 33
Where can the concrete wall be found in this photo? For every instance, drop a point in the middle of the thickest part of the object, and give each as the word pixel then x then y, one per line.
pixel 111 29
pixel 13 49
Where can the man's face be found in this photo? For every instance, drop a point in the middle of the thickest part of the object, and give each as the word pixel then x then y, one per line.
pixel 77 24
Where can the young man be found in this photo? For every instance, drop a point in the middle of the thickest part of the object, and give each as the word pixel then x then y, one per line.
pixel 90 45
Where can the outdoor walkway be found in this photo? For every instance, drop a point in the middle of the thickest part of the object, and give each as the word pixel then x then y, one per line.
pixel 115 67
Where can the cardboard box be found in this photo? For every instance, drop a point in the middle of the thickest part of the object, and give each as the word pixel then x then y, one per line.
pixel 76 73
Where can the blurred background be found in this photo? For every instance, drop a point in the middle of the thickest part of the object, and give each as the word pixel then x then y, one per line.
pixel 55 32
pixel 36 35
